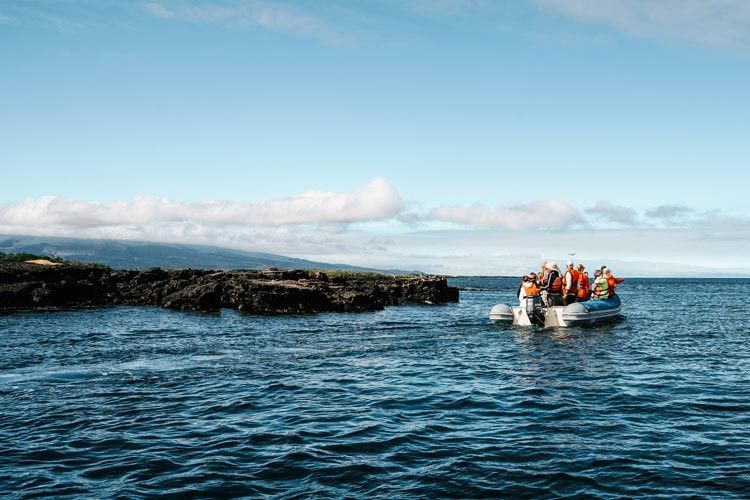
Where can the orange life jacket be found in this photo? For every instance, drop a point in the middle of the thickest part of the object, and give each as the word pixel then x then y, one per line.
pixel 530 288
pixel 556 285
pixel 583 286
pixel 612 284
pixel 573 282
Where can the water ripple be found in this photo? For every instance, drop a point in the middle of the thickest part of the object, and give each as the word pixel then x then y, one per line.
pixel 407 402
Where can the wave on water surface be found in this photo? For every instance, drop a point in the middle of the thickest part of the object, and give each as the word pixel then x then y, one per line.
pixel 408 402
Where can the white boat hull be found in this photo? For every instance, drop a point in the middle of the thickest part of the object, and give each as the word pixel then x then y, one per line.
pixel 579 313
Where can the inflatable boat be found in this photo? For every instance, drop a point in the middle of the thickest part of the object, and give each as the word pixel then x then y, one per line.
pixel 578 313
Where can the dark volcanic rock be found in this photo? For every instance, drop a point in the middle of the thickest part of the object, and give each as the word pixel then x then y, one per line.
pixel 24 286
pixel 198 297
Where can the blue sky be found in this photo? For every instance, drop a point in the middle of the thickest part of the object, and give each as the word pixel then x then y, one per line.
pixel 454 136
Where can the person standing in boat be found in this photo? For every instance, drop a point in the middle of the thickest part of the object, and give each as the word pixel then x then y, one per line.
pixel 570 284
pixel 552 285
pixel 612 282
pixel 540 280
pixel 584 285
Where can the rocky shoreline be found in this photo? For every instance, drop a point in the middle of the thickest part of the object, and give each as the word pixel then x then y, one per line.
pixel 32 287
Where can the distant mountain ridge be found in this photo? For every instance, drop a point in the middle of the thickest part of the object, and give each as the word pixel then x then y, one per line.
pixel 123 254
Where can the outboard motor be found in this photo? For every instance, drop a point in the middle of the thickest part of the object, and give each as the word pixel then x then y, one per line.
pixel 534 310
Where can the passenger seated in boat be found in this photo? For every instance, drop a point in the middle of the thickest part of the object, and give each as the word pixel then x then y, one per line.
pixel 601 287
pixel 527 289
pixel 552 286
pixel 535 279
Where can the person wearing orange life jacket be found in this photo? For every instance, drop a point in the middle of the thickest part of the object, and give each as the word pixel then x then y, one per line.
pixel 534 279
pixel 600 290
pixel 570 284
pixel 527 289
pixel 612 282
pixel 584 285
pixel 552 285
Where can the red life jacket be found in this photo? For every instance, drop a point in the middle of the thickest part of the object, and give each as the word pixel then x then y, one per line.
pixel 583 286
pixel 612 284
pixel 557 284
pixel 573 282
pixel 531 289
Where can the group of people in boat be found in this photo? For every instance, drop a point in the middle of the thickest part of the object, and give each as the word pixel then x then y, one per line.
pixel 557 288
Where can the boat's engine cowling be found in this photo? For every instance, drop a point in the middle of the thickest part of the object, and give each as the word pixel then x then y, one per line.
pixel 534 310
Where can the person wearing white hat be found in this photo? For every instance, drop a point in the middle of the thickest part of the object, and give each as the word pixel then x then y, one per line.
pixel 541 279
pixel 552 285
pixel 570 284
pixel 542 273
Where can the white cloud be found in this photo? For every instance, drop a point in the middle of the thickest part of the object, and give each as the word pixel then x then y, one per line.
pixel 537 215
pixel 248 13
pixel 628 251
pixel 376 201
pixel 160 10
pixel 713 23
pixel 668 212
pixel 443 6
pixel 362 227
pixel 613 213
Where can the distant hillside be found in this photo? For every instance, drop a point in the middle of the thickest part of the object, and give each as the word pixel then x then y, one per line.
pixel 143 255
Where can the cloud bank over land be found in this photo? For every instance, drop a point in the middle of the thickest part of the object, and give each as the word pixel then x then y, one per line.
pixel 547 214
pixel 371 227
pixel 376 201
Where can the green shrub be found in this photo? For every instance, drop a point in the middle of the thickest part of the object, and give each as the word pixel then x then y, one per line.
pixel 23 256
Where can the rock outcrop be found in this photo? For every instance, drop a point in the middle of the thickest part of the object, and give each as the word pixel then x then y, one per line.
pixel 26 286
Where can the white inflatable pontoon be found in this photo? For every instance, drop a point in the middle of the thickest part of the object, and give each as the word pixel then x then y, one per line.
pixel 578 313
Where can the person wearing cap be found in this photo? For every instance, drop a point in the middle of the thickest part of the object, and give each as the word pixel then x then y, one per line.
pixel 542 273
pixel 527 289
pixel 552 285
pixel 584 285
pixel 541 279
pixel 570 284
pixel 601 287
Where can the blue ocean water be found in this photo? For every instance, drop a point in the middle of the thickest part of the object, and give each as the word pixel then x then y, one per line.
pixel 413 401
